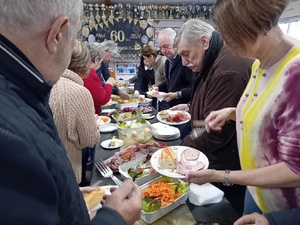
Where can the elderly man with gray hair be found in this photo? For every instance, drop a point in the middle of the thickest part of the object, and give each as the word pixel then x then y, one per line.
pixel 109 50
pixel 38 185
pixel 221 77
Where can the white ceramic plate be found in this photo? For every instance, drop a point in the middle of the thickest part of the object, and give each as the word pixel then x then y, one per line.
pixel 102 120
pixel 163 138
pixel 105 144
pixel 173 172
pixel 107 110
pixel 173 113
pixel 148 116
pixel 108 128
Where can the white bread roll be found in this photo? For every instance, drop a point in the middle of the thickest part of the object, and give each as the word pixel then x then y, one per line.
pixel 93 198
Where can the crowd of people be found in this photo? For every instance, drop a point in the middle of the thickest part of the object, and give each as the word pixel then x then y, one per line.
pixel 242 80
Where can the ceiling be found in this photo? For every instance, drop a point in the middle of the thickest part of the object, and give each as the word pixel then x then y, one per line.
pixel 170 2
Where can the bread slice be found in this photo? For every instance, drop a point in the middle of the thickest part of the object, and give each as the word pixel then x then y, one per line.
pixel 167 158
pixel 93 198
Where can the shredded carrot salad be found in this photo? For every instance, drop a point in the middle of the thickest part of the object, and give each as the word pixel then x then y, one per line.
pixel 163 191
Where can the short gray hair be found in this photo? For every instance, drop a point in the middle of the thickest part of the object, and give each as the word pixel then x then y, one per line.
pixel 94 51
pixel 25 17
pixel 168 33
pixel 192 30
pixel 110 46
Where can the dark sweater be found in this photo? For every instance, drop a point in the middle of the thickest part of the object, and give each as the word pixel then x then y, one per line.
pixel 37 184
pixel 180 78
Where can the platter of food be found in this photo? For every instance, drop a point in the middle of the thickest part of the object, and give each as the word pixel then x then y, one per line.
pixel 173 117
pixel 132 152
pixel 176 161
pixel 102 120
pixel 161 196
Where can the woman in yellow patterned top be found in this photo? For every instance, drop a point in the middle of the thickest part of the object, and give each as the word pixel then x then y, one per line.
pixel 268 114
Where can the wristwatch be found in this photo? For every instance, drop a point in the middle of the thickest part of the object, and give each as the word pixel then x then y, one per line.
pixel 178 94
pixel 226 178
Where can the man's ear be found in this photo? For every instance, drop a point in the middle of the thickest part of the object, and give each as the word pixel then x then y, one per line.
pixel 55 34
pixel 204 42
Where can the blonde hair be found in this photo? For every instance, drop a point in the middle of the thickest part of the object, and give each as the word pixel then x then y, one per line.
pixel 241 21
pixel 81 59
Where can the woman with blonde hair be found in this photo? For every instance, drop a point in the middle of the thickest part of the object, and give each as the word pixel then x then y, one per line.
pixel 73 108
pixel 268 112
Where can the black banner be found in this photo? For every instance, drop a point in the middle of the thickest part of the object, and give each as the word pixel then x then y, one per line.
pixel 130 34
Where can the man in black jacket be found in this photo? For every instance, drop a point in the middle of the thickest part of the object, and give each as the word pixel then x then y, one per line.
pixel 179 78
pixel 220 81
pixel 37 184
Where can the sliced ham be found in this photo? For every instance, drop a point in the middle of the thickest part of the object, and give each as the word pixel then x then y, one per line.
pixel 184 166
pixel 190 154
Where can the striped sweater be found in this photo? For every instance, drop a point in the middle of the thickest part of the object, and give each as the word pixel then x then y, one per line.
pixel 268 127
pixel 73 112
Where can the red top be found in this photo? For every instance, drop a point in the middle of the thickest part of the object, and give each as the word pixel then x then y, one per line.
pixel 101 94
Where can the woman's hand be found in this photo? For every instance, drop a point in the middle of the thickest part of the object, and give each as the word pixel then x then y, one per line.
pixel 181 107
pixel 200 177
pixel 216 119
pixel 252 219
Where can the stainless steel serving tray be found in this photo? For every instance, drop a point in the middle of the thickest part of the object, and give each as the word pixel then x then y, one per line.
pixel 139 181
pixel 150 217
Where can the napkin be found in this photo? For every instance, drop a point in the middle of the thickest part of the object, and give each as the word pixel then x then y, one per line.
pixel 205 194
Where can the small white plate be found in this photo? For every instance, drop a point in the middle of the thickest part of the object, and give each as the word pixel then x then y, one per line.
pixel 107 110
pixel 105 144
pixel 102 120
pixel 108 128
pixel 173 173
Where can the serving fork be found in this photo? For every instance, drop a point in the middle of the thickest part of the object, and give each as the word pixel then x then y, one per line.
pixel 106 172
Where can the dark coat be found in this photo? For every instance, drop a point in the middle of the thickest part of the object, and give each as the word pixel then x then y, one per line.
pixel 144 79
pixel 180 78
pixel 220 87
pixel 37 184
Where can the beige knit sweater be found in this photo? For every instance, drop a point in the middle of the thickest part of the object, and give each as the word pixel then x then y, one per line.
pixel 73 111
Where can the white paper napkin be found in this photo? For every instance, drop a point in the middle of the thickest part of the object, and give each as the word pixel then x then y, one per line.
pixel 205 194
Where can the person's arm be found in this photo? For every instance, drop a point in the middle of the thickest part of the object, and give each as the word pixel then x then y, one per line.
pixel 163 86
pixel 101 94
pixel 188 76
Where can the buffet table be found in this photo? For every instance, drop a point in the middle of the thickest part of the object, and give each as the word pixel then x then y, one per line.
pixel 188 214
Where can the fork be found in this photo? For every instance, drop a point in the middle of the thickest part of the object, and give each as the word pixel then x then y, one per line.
pixel 107 172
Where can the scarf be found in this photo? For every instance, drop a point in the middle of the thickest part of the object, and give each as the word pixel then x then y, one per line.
pixel 215 45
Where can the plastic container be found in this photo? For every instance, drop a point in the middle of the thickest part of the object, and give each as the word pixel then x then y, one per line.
pixel 131 105
pixel 150 217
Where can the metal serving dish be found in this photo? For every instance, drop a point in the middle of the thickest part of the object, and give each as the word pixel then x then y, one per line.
pixel 141 180
pixel 150 217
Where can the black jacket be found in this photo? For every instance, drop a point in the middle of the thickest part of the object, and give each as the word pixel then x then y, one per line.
pixel 37 184
pixel 180 78
pixel 144 79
